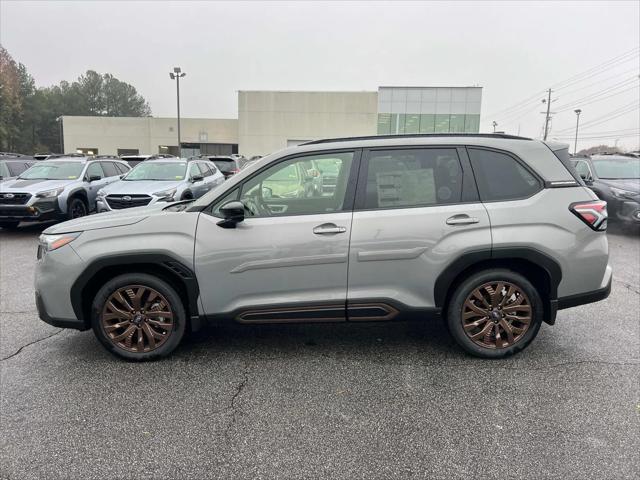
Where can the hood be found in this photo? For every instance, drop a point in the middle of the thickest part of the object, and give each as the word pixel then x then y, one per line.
pixel 124 187
pixel 32 186
pixel 116 218
pixel 630 184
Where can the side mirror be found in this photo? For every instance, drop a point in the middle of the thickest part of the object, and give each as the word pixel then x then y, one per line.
pixel 94 178
pixel 196 178
pixel 233 213
pixel 587 178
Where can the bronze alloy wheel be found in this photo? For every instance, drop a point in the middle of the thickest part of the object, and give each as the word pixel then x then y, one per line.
pixel 137 318
pixel 496 315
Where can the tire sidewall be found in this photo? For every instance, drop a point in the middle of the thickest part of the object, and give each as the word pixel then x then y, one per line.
pixel 454 312
pixel 156 283
pixel 70 208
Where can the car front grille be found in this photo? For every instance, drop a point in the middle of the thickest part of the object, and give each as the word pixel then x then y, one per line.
pixel 14 198
pixel 118 202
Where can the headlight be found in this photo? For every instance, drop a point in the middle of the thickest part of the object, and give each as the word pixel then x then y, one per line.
pixel 100 195
pixel 53 242
pixel 166 195
pixel 618 192
pixel 50 193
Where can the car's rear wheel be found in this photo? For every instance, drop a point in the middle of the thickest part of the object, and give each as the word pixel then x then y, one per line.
pixel 495 313
pixel 138 317
pixel 9 225
pixel 77 208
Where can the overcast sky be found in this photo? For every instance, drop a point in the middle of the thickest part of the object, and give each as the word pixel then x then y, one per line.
pixel 513 50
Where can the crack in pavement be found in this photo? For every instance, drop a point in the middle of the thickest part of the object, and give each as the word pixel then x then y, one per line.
pixel 232 405
pixel 628 286
pixel 30 343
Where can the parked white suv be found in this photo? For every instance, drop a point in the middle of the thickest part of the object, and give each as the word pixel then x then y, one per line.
pixel 491 232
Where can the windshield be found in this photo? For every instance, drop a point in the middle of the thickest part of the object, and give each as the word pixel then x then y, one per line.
pixel 614 168
pixel 53 171
pixel 225 166
pixel 154 170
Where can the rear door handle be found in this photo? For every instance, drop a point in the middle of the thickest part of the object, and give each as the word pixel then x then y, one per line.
pixel 328 228
pixel 462 219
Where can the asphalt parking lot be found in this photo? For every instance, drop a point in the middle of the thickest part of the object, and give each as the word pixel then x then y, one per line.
pixel 346 401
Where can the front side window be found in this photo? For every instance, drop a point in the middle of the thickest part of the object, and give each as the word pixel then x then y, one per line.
pixel 582 168
pixel 16 168
pixel 55 170
pixel 95 170
pixel 500 177
pixel 155 170
pixel 413 178
pixel 110 169
pixel 300 186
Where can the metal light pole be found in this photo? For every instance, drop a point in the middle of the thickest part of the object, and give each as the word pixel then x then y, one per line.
pixel 176 75
pixel 575 144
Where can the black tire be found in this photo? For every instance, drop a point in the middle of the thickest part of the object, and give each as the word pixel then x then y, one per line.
pixel 455 322
pixel 179 319
pixel 77 208
pixel 9 225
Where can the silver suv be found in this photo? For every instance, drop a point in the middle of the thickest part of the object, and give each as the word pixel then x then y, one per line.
pixel 493 233
pixel 59 189
pixel 161 180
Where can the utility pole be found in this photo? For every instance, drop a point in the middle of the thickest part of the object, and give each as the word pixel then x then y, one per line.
pixel 575 144
pixel 548 116
pixel 176 75
pixel 495 124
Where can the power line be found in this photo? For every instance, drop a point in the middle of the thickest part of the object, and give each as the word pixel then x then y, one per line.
pixel 607 117
pixel 595 100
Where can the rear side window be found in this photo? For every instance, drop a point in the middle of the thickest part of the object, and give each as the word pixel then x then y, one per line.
pixel 501 177
pixel 413 178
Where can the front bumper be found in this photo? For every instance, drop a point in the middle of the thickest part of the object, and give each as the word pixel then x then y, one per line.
pixel 57 322
pixel 39 211
pixel 625 211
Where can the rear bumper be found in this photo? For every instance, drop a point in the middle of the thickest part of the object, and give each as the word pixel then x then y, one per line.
pixel 586 297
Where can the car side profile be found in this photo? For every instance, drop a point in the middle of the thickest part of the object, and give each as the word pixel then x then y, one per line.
pixel 615 179
pixel 57 189
pixel 492 233
pixel 160 180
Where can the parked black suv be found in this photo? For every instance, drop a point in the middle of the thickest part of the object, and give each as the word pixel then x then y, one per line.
pixel 616 179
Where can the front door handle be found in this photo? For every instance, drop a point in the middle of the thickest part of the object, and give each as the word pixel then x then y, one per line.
pixel 462 219
pixel 328 228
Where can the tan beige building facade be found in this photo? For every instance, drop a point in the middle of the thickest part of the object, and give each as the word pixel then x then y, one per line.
pixel 272 120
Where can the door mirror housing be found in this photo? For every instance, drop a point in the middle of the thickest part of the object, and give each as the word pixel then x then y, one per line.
pixel 94 178
pixel 233 213
pixel 196 178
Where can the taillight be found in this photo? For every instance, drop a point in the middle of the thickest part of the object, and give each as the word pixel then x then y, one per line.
pixel 592 213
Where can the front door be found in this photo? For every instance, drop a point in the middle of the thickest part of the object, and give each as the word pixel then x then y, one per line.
pixel 287 261
pixel 416 211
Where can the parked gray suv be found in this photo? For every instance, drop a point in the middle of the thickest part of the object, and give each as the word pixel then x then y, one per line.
pixel 58 189
pixel 161 180
pixel 493 233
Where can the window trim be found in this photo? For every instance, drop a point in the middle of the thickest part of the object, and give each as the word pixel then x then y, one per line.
pixel 519 161
pixel 588 167
pixel 86 171
pixel 349 195
pixel 469 190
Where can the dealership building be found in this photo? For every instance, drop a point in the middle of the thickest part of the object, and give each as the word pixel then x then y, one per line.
pixel 271 120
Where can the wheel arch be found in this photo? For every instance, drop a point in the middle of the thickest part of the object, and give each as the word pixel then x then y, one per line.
pixel 98 272
pixel 542 270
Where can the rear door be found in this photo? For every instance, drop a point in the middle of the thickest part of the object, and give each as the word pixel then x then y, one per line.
pixel 416 211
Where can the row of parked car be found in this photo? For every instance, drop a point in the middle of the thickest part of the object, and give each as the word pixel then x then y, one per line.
pixel 64 187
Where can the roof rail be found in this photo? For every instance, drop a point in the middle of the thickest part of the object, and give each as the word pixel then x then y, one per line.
pixel 417 135
pixel 100 157
pixel 160 156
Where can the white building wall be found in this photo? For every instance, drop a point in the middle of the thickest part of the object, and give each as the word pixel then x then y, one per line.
pixel 269 121
pixel 145 134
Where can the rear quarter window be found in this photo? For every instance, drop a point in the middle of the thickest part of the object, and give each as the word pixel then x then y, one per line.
pixel 501 177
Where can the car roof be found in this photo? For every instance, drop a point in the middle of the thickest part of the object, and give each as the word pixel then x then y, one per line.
pixel 614 156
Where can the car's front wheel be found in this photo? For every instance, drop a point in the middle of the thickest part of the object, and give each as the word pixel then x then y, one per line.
pixel 77 208
pixel 495 313
pixel 138 317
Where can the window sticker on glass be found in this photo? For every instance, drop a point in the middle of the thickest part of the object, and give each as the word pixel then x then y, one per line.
pixel 398 188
